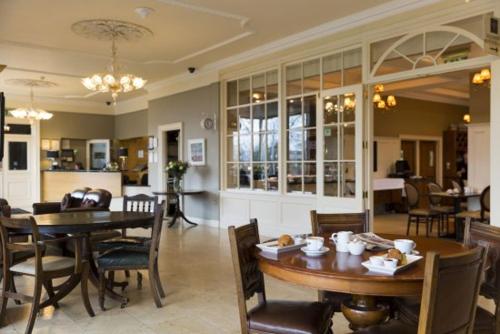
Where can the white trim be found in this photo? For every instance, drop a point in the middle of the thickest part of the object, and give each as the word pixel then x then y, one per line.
pixel 131 105
pixel 106 142
pixel 162 129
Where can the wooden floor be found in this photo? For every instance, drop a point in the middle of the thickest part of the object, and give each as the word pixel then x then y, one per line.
pixel 395 223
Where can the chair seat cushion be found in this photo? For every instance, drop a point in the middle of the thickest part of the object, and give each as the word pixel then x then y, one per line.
pixel 446 209
pixel 392 327
pixel 335 299
pixel 484 322
pixel 123 258
pixel 422 212
pixel 130 243
pixel 284 317
pixel 471 214
pixel 49 263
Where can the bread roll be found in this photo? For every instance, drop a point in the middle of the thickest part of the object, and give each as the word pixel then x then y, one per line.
pixel 285 240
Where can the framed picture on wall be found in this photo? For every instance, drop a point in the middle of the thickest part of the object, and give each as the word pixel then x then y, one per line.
pixel 196 152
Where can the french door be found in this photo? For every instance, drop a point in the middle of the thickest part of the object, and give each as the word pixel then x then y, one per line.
pixel 18 183
pixel 339 115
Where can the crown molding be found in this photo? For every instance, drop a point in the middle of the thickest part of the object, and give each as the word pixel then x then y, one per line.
pixel 434 98
pixel 131 105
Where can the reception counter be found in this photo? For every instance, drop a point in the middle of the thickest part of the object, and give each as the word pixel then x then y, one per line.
pixel 59 182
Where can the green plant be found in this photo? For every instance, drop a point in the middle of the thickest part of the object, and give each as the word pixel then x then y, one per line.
pixel 177 169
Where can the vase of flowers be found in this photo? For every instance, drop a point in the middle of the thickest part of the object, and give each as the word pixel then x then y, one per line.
pixel 176 170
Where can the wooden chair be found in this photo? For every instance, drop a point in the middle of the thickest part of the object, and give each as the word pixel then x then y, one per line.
pixel 415 214
pixel 479 215
pixel 449 296
pixel 44 269
pixel 445 211
pixel 324 224
pixel 135 258
pixel 269 317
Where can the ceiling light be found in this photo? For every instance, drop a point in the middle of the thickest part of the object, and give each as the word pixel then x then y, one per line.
pixel 376 98
pixel 482 77
pixel 467 118
pixel 144 12
pixel 391 101
pixel 379 101
pixel 31 113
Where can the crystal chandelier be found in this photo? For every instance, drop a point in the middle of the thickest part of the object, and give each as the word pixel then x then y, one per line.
pixel 31 113
pixel 113 81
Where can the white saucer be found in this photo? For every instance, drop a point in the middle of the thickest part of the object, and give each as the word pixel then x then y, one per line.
pixel 319 252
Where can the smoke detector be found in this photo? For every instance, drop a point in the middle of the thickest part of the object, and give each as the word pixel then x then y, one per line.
pixel 143 12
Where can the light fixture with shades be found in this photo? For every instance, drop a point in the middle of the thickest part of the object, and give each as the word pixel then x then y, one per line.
pixel 114 81
pixel 482 77
pixel 30 112
pixel 467 118
pixel 379 101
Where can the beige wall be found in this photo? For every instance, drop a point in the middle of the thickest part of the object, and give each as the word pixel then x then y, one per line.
pixel 131 125
pixel 417 117
pixel 479 103
pixel 79 126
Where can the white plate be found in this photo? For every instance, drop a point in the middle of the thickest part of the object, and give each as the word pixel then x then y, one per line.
pixel 320 252
pixel 273 248
pixel 412 259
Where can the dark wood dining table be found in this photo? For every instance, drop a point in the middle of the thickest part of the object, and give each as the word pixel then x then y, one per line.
pixel 456 198
pixel 85 222
pixel 342 272
pixel 179 212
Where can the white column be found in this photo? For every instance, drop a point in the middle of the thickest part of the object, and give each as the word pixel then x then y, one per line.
pixel 495 143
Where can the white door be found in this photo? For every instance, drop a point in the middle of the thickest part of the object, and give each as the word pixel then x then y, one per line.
pixel 340 150
pixel 18 187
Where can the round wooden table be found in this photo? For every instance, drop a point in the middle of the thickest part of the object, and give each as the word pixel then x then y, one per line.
pixel 342 272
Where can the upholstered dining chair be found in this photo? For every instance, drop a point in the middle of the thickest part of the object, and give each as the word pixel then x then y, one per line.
pixel 449 297
pixel 270 317
pixel 135 258
pixel 483 214
pixel 445 211
pixel 44 269
pixel 324 224
pixel 418 215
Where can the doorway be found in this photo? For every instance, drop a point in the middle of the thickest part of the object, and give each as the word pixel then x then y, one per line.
pixel 170 148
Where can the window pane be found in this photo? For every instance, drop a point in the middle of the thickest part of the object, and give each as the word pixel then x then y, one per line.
pixel 331 142
pixel 259 176
pixel 332 71
pixel 18 155
pixel 259 117
pixel 258 88
pixel 330 182
pixel 245 123
pixel 294 113
pixel 245 175
pixel 272 85
pixel 348 101
pixel 272 177
pixel 259 147
pixel 310 145
pixel 272 146
pixel 294 177
pixel 312 81
pixel 330 110
pixel 244 91
pixel 232 148
pixel 310 178
pixel 348 139
pixel 352 67
pixel 294 80
pixel 232 93
pixel 273 123
pixel 294 145
pixel 310 111
pixel 232 175
pixel 348 177
pixel 245 147
pixel 232 121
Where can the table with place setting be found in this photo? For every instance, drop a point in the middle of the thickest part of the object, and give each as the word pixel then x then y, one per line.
pixel 338 270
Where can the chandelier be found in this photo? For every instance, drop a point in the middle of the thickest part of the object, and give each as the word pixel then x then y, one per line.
pixel 379 100
pixel 482 77
pixel 31 113
pixel 113 81
pixel 348 104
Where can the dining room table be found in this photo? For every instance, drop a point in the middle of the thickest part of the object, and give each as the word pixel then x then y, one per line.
pixel 343 272
pixel 83 223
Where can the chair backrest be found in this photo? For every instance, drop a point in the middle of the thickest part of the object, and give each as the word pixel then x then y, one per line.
pixel 456 185
pixel 97 198
pixel 249 279
pixel 485 201
pixel 412 195
pixel 5 209
pixel 328 223
pixel 434 188
pixel 476 233
pixel 140 203
pixel 156 230
pixel 451 289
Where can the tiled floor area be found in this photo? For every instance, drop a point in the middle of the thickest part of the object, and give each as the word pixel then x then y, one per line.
pixel 196 270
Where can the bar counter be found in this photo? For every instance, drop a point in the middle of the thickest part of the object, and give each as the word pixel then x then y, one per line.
pixel 56 183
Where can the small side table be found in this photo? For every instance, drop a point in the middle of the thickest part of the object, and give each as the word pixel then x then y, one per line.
pixel 179 203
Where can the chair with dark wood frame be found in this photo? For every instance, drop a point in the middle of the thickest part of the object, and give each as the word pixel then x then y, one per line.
pixel 449 297
pixel 445 211
pixel 44 269
pixel 268 317
pixel 417 215
pixel 324 224
pixel 131 258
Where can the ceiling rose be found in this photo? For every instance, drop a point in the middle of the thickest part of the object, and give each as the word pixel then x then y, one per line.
pixel 31 113
pixel 109 30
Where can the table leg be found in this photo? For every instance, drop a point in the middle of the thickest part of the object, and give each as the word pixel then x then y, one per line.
pixel 179 212
pixel 364 311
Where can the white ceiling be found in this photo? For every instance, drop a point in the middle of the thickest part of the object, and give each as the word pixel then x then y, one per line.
pixel 36 38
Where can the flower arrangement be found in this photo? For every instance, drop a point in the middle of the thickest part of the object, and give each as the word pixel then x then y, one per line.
pixel 177 169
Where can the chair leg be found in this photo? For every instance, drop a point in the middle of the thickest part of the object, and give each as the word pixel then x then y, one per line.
pixel 154 288
pixel 408 226
pixel 50 291
pixel 34 306
pixel 85 290
pixel 111 279
pixel 3 305
pixel 417 218
pixel 427 226
pixel 13 288
pixel 158 281
pixel 139 280
pixel 102 287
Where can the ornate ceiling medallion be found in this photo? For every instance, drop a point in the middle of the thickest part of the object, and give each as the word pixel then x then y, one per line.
pixel 109 30
pixel 31 113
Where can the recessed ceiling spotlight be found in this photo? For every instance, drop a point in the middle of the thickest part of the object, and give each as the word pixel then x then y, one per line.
pixel 144 12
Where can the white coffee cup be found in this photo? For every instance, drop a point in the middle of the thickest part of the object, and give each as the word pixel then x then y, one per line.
pixel 341 240
pixel 315 243
pixel 405 246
